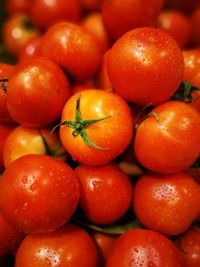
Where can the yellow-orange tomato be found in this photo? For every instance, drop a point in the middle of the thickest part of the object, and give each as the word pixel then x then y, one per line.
pixel 23 140
pixel 111 134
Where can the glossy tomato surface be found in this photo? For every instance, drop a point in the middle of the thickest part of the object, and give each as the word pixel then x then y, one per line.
pixel 38 193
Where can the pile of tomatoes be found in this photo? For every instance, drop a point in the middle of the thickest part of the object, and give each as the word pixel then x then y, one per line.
pixel 100 133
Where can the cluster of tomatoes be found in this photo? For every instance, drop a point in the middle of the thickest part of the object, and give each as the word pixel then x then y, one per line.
pixel 100 134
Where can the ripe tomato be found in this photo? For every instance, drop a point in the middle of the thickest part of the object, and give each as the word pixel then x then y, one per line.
pixel 100 142
pixel 167 203
pixel 103 80
pixel 6 72
pixel 38 193
pixel 104 243
pixel 189 244
pixel 37 92
pixel 17 6
pixel 100 199
pixel 137 247
pixel 145 66
pixel 171 21
pixel 93 23
pixel 168 140
pixel 120 16
pixel 45 14
pixel 10 238
pixel 17 30
pixel 5 129
pixel 72 47
pixel 90 5
pixel 69 246
pixel 31 48
pixel 23 140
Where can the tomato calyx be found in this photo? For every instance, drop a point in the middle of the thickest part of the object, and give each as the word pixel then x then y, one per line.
pixel 184 92
pixel 4 84
pixel 79 126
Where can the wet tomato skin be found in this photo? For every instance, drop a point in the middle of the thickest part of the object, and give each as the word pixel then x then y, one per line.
pixel 69 246
pixel 38 193
pixel 145 66
pixel 37 92
pixel 113 133
pixel 140 247
pixel 167 203
pixel 73 48
pixel 172 130
pixel 100 197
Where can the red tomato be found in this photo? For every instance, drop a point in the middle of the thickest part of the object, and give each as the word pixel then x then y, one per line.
pixel 104 243
pixel 31 48
pixel 9 237
pixel 145 66
pixel 167 203
pixel 5 129
pixel 105 192
pixel 17 6
pixel 168 140
pixel 23 140
pixel 74 48
pixel 17 30
pixel 192 65
pixel 103 79
pixel 38 193
pixel 137 247
pixel 37 92
pixel 111 134
pixel 69 246
pixel 93 23
pixel 120 16
pixel 189 244
pixel 90 5
pixel 171 21
pixel 6 72
pixel 195 18
pixel 46 13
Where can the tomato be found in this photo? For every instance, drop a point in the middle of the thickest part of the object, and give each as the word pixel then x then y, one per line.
pixel 93 23
pixel 104 243
pixel 23 140
pixel 45 14
pixel 17 30
pixel 103 79
pixel 5 129
pixel 191 73
pixel 189 244
pixel 6 71
pixel 69 246
pixel 145 66
pixel 37 92
pixel 31 48
pixel 10 238
pixel 100 199
pixel 195 18
pixel 120 16
pixel 17 6
pixel 167 203
pixel 171 21
pixel 90 5
pixel 101 132
pixel 168 140
pixel 73 48
pixel 138 247
pixel 38 193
